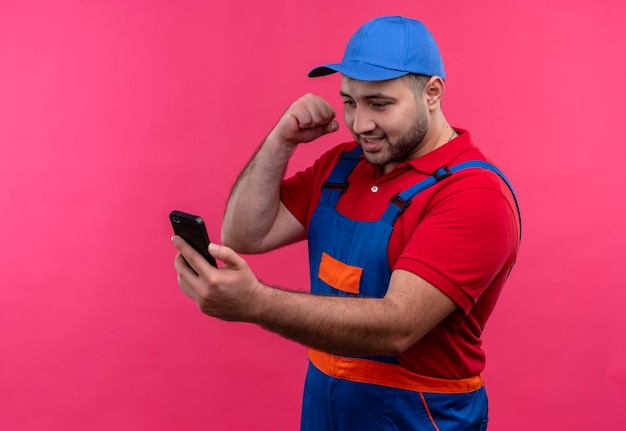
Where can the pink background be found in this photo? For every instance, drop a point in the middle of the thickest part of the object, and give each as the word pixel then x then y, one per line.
pixel 113 113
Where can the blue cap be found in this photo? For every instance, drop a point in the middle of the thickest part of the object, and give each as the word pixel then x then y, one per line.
pixel 385 48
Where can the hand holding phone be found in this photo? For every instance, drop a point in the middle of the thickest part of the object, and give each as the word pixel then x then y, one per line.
pixel 192 229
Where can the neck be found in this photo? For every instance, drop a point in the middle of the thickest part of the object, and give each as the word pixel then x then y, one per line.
pixel 442 133
pixel 449 134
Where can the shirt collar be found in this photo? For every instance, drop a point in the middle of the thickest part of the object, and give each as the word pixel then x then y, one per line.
pixel 444 155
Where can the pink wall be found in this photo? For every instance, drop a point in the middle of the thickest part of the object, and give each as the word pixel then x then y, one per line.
pixel 112 113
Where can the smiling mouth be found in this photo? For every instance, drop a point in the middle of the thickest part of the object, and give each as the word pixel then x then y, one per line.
pixel 371 144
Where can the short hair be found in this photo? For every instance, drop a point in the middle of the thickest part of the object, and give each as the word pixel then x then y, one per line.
pixel 416 82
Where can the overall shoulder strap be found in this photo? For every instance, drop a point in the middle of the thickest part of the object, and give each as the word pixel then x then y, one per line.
pixel 402 200
pixel 337 181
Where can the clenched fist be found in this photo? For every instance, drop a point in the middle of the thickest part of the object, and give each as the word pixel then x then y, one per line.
pixel 305 120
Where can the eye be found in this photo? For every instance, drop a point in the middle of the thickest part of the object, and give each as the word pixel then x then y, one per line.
pixel 349 103
pixel 379 105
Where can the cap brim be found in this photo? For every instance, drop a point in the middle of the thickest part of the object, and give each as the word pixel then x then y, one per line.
pixel 358 71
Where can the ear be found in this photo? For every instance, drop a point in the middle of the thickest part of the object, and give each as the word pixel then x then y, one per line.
pixel 433 92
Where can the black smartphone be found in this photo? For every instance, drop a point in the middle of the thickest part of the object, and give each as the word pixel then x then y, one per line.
pixel 191 228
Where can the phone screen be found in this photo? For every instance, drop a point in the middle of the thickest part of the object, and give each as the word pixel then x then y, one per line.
pixel 192 229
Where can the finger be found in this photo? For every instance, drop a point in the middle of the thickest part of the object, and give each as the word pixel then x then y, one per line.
pixel 312 111
pixel 183 269
pixel 227 255
pixel 180 265
pixel 331 127
pixel 187 279
pixel 318 113
pixel 322 112
pixel 194 259
pixel 301 118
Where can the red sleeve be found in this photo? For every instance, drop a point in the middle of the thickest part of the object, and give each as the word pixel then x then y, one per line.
pixel 295 193
pixel 467 238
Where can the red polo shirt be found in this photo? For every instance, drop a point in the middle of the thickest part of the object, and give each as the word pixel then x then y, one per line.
pixel 461 235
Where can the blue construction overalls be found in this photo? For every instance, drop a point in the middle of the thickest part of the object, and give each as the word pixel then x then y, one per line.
pixel 349 258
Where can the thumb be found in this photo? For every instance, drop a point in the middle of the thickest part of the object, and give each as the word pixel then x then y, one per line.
pixel 331 127
pixel 227 255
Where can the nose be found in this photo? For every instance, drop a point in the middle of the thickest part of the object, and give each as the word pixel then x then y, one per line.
pixel 362 122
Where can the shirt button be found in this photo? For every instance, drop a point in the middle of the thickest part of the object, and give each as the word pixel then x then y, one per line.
pixel 374 189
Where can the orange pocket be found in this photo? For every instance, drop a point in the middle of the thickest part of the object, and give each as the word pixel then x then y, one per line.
pixel 340 275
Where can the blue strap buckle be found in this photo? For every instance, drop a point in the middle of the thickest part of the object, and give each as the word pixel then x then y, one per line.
pixel 400 203
pixel 441 173
pixel 352 155
pixel 342 187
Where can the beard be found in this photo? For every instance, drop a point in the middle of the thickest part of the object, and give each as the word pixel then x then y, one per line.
pixel 403 148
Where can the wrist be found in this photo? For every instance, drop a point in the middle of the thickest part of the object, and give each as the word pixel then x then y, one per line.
pixel 259 297
pixel 279 145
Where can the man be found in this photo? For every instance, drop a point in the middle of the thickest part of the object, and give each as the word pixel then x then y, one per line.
pixel 411 238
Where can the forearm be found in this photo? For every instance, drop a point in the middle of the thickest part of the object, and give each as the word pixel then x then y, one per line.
pixel 339 325
pixel 255 220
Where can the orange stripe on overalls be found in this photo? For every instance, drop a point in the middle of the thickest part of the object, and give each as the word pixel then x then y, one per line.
pixel 390 375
